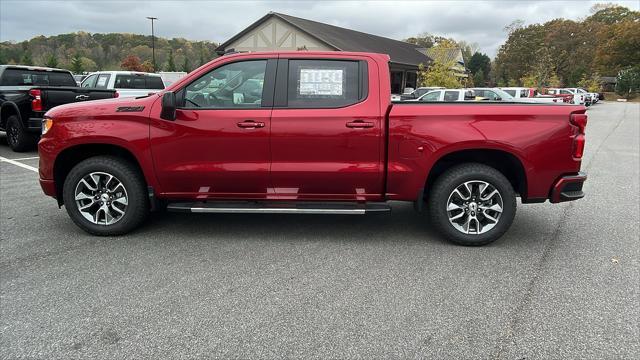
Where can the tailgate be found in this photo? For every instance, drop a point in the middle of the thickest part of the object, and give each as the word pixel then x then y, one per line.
pixel 52 97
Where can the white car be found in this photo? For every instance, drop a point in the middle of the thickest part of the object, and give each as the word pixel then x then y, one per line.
pixel 578 98
pixel 126 83
pixel 593 97
pixel 414 94
pixel 525 94
pixel 447 95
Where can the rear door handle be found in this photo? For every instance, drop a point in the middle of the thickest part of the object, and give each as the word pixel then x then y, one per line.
pixel 250 124
pixel 359 124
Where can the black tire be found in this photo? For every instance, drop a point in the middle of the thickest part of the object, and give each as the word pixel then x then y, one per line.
pixel 18 138
pixel 130 178
pixel 445 185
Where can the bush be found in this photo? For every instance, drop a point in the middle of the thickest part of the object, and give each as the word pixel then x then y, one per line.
pixel 628 82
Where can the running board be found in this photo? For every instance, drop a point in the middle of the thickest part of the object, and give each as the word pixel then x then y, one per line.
pixel 239 207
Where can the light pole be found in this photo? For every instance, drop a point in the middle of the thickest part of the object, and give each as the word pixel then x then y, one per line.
pixel 153 42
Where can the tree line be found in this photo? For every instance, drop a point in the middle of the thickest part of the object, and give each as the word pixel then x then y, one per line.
pixel 82 51
pixel 557 53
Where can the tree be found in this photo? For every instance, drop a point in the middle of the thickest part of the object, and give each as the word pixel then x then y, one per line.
pixel 147 66
pixel 202 58
pixel 171 65
pixel 26 59
pixel 76 64
pixel 628 82
pixel 52 61
pixel 131 63
pixel 619 47
pixel 438 74
pixel 479 78
pixel 479 62
pixel 612 14
pixel 591 83
pixel 424 40
pixel 185 66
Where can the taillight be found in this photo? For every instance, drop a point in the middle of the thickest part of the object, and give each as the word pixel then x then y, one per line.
pixel 580 121
pixel 115 94
pixel 36 102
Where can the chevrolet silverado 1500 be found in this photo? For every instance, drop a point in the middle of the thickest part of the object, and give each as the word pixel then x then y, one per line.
pixel 307 132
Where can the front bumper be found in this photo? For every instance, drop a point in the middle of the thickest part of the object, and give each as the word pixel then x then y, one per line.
pixel 568 188
pixel 49 187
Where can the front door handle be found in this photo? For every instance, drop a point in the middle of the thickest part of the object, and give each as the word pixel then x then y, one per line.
pixel 250 124
pixel 359 124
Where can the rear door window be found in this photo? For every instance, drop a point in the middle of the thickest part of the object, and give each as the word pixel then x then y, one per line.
pixel 324 83
pixel 451 95
pixel 511 92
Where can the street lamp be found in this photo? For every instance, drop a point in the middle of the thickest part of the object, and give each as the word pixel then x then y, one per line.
pixel 153 42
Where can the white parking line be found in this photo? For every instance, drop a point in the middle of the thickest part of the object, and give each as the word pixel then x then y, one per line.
pixel 26 158
pixel 10 161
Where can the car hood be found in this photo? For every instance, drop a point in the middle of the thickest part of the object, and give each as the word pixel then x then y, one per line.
pixel 93 108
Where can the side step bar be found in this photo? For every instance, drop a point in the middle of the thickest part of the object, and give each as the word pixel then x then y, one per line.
pixel 241 207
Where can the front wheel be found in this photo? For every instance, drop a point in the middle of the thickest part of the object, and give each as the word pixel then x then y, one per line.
pixel 106 195
pixel 472 204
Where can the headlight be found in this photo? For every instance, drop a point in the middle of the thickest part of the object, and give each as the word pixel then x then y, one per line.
pixel 47 123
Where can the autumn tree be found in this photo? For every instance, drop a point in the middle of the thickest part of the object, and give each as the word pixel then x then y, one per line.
pixel 131 63
pixel 147 66
pixel 438 74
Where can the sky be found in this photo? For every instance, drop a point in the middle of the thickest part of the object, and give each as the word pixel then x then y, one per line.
pixel 475 21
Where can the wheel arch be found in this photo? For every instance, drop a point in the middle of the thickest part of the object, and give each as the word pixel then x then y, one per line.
pixel 71 156
pixel 7 109
pixel 505 162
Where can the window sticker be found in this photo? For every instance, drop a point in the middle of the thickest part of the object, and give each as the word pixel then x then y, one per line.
pixel 327 82
pixel 102 81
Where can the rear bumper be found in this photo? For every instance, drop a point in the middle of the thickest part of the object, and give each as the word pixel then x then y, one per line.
pixel 568 188
pixel 34 124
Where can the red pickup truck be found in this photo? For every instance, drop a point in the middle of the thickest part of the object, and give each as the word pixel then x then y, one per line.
pixel 312 133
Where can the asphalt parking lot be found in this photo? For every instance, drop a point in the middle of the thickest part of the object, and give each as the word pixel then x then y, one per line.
pixel 563 283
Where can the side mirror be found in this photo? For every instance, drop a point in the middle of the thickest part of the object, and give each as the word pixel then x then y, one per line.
pixel 498 98
pixel 168 106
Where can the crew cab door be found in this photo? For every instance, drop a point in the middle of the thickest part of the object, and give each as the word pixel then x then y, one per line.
pixel 326 130
pixel 218 145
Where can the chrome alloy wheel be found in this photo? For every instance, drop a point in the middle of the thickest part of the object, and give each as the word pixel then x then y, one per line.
pixel 474 207
pixel 101 198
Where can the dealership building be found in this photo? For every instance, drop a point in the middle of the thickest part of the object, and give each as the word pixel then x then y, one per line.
pixel 276 31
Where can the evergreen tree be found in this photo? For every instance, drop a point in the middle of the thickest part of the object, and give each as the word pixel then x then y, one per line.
pixel 26 59
pixel 52 61
pixel 76 64
pixel 185 65
pixel 171 66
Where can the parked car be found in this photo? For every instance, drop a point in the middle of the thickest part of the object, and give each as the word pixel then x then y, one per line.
pixel 524 94
pixel 594 97
pixel 418 92
pixel 126 83
pixel 577 98
pixel 79 78
pixel 169 77
pixel 492 94
pixel 447 95
pixel 27 92
pixel 319 139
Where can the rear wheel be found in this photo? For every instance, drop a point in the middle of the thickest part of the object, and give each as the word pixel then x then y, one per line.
pixel 18 138
pixel 106 195
pixel 472 204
